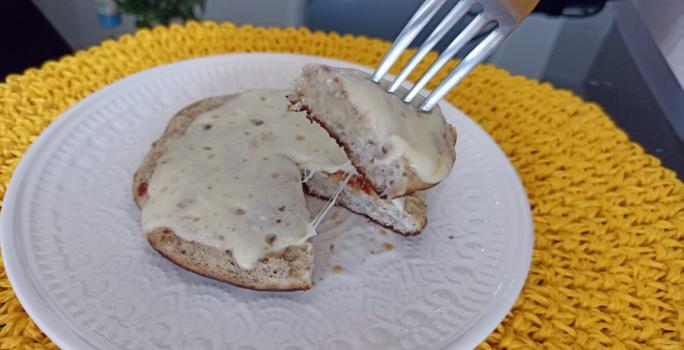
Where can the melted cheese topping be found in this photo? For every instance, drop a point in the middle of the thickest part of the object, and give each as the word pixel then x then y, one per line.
pixel 233 179
pixel 399 203
pixel 409 132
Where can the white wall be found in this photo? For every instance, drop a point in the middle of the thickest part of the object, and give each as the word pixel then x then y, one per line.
pixel 665 20
pixel 76 20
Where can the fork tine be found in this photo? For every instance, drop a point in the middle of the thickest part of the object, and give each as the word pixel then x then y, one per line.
pixel 468 33
pixel 477 55
pixel 447 23
pixel 422 16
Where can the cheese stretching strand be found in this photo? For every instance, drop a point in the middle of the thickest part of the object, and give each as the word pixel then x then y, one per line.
pixel 331 203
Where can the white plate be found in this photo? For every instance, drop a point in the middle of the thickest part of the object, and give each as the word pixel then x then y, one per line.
pixel 79 263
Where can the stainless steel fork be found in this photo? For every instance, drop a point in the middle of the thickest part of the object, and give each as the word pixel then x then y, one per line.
pixel 507 14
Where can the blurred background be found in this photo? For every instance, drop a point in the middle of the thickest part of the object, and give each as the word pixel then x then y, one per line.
pixel 626 55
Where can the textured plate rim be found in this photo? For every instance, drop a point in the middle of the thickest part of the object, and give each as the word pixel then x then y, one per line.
pixel 49 322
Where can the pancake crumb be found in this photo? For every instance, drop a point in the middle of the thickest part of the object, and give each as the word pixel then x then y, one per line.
pixel 337 269
pixel 388 246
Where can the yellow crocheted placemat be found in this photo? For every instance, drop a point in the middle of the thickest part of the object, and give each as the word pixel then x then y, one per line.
pixel 608 265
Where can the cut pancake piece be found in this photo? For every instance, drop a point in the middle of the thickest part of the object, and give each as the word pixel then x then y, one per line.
pixel 288 270
pixel 221 193
pixel 406 215
pixel 396 147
